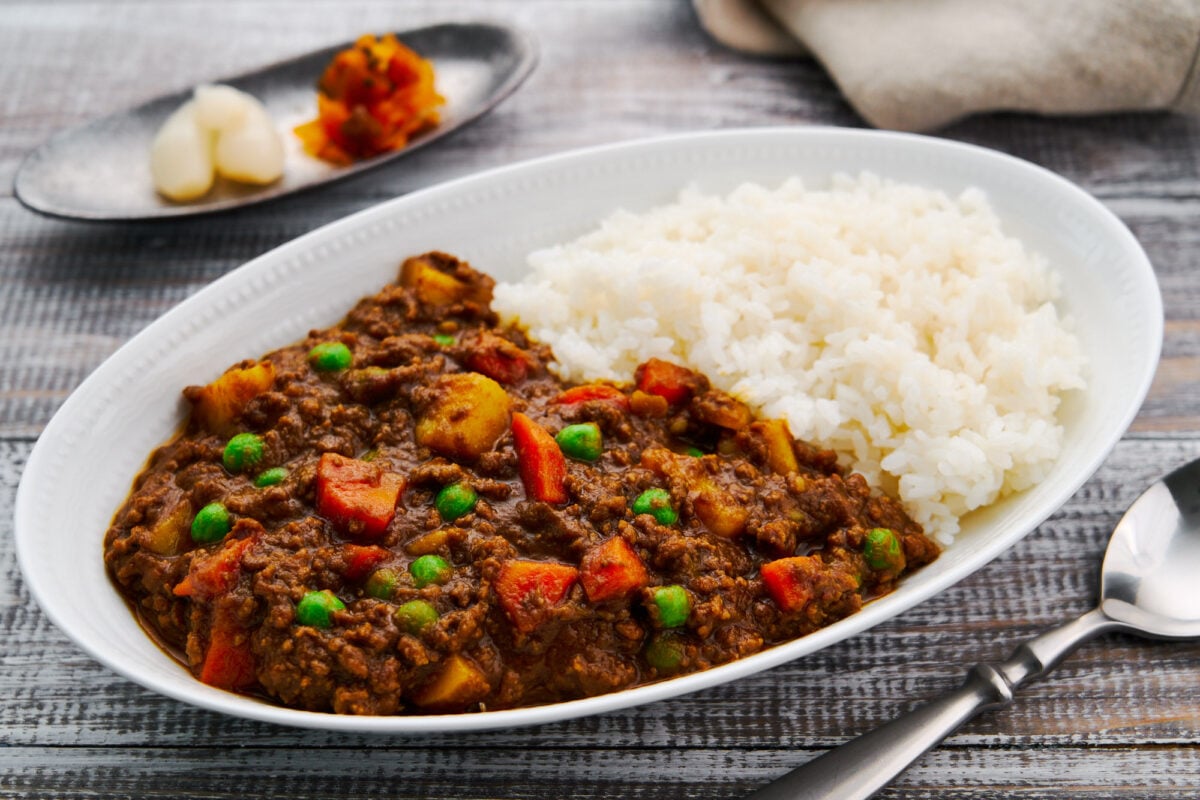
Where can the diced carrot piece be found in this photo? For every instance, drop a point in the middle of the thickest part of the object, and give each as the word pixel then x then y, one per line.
pixel 499 359
pixel 593 391
pixel 542 465
pixel 218 404
pixel 525 589
pixel 498 366
pixel 670 381
pixel 362 559
pixel 789 582
pixel 357 496
pixel 228 661
pixel 468 414
pixel 612 569
pixel 457 685
pixel 213 575
pixel 781 457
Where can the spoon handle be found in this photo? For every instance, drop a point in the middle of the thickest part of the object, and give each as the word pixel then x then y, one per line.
pixel 861 767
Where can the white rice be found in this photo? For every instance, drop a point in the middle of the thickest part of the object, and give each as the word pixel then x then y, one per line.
pixel 890 322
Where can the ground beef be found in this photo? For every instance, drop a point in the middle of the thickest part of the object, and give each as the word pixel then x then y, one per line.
pixel 527 612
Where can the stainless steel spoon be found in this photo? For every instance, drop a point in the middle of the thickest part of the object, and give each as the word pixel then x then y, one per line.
pixel 1148 587
pixel 101 170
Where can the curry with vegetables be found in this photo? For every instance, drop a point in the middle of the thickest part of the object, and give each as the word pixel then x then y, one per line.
pixel 408 513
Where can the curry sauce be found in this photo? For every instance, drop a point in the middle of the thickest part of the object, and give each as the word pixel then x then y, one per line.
pixel 409 513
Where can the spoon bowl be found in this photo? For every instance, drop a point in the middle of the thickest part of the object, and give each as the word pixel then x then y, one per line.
pixel 101 170
pixel 1149 579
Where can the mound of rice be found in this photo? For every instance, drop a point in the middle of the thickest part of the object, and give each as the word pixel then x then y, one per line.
pixel 890 322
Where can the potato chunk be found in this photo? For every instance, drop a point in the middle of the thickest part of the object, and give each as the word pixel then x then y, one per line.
pixel 429 277
pixel 468 413
pixel 168 535
pixel 718 509
pixel 774 433
pixel 218 404
pixel 459 684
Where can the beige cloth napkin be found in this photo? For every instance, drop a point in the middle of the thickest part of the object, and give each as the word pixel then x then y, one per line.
pixel 920 64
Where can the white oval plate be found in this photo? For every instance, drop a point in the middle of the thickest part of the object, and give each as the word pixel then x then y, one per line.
pixel 84 462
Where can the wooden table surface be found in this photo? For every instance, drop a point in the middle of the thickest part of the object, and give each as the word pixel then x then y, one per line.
pixel 1119 719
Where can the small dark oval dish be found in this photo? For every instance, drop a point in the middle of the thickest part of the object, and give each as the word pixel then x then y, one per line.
pixel 100 171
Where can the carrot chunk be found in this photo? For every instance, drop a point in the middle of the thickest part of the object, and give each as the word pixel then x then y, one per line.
pixel 499 359
pixel 593 391
pixel 362 559
pixel 542 465
pixel 789 582
pixel 213 575
pixel 612 569
pixel 357 496
pixel 669 381
pixel 228 661
pixel 526 589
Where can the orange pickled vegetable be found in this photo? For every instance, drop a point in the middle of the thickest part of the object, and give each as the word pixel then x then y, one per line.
pixel 371 99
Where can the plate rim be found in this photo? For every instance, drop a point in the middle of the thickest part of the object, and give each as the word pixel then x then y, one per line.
pixel 895 604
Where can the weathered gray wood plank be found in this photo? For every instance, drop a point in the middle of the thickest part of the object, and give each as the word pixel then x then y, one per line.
pixel 527 771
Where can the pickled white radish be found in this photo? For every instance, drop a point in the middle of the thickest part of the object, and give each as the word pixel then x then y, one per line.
pixel 220 131
pixel 251 152
pixel 181 157
pixel 222 108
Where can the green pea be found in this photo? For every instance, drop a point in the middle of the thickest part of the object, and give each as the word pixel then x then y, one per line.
pixel 882 550
pixel 381 582
pixel 455 500
pixel 695 452
pixel 316 608
pixel 581 441
pixel 674 605
pixel 444 339
pixel 330 357
pixel 242 452
pixel 211 523
pixel 430 569
pixel 664 652
pixel 656 503
pixel 270 477
pixel 415 616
